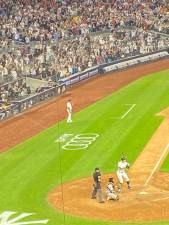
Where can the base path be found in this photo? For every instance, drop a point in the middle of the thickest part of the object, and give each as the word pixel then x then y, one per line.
pixel 32 122
pixel 154 153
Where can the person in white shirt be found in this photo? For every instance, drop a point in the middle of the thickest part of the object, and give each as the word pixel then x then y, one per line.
pixel 69 111
pixel 121 173
pixel 110 190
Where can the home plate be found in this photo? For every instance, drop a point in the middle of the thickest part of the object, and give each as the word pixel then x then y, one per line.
pixel 143 193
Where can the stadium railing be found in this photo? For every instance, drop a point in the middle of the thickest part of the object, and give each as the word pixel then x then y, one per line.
pixel 7 84
pixel 24 104
pixel 114 66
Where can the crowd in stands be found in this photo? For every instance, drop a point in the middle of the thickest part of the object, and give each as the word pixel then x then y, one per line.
pixel 5 108
pixel 14 91
pixel 47 20
pixel 51 39
pixel 68 57
pixel 11 94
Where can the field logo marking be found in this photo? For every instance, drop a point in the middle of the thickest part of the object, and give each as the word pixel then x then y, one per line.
pixel 80 141
pixel 64 137
pixel 126 113
pixel 5 219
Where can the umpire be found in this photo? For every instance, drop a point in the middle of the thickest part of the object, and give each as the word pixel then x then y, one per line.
pixel 97 192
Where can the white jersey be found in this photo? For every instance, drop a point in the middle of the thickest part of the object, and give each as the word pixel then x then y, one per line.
pixel 111 194
pixel 110 187
pixel 69 107
pixel 122 166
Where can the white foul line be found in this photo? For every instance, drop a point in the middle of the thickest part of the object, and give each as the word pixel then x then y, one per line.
pixel 125 114
pixel 156 166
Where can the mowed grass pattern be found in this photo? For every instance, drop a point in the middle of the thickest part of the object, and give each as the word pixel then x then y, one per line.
pixel 32 169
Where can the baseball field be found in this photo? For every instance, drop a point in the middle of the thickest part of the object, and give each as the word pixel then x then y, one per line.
pixel 46 179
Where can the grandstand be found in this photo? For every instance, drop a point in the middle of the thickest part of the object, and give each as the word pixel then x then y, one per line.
pixel 55 40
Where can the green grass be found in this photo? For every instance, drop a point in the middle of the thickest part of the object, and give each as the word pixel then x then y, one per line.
pixel 30 170
pixel 165 166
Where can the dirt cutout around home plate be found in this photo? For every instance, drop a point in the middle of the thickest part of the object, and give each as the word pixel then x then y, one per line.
pixel 148 200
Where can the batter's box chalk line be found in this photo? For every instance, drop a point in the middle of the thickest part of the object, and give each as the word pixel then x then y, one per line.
pixel 143 193
pixel 161 199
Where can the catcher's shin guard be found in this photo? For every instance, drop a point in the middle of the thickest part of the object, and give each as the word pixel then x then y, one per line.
pixel 119 187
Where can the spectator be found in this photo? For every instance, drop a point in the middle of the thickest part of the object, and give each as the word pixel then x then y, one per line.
pixel 47 38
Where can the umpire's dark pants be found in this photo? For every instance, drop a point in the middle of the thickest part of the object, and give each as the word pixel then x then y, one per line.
pixel 97 192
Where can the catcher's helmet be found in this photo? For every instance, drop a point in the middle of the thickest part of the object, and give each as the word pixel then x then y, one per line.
pixel 111 179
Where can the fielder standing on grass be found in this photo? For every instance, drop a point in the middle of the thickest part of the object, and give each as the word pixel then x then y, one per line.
pixel 69 110
pixel 122 174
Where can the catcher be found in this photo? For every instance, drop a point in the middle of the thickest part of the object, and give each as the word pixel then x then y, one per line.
pixel 110 190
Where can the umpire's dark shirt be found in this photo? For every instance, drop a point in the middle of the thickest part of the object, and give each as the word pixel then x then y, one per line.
pixel 96 178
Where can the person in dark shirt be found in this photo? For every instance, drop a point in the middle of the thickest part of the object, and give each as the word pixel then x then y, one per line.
pixel 97 192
